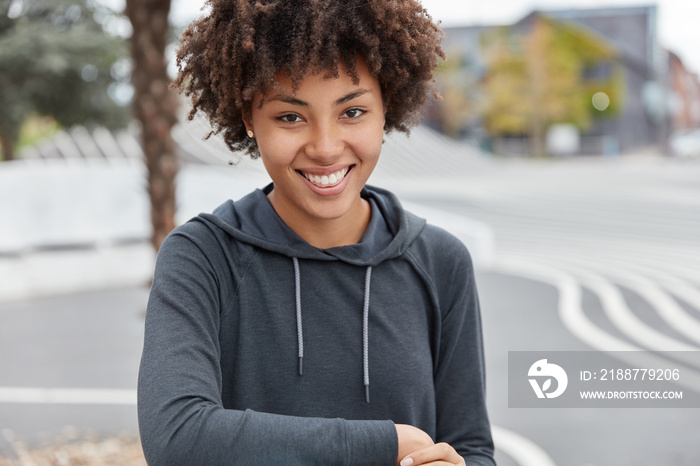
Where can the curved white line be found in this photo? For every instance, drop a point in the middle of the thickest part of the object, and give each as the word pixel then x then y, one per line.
pixel 680 279
pixel 570 310
pixel 575 320
pixel 629 275
pixel 687 273
pixel 622 316
pixel 523 451
pixel 636 276
pixel 677 286
pixel 666 307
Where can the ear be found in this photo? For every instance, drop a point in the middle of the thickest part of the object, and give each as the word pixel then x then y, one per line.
pixel 247 116
pixel 247 121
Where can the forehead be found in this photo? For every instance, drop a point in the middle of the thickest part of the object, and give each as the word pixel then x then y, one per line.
pixel 325 83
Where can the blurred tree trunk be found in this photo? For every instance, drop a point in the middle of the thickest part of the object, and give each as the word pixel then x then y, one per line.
pixel 7 146
pixel 538 49
pixel 156 107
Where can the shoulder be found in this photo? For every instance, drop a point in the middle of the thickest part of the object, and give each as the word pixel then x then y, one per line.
pixel 189 249
pixel 205 232
pixel 436 246
pixel 191 237
pixel 203 242
pixel 444 261
pixel 199 259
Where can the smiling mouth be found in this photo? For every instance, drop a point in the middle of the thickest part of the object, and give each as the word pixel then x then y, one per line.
pixel 327 181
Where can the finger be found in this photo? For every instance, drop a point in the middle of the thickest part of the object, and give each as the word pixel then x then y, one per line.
pixel 437 463
pixel 434 454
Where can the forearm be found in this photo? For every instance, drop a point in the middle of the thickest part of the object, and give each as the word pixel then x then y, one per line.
pixel 215 436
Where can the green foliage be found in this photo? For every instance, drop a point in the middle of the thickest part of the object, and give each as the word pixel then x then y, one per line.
pixel 57 60
pixel 35 129
pixel 460 95
pixel 544 73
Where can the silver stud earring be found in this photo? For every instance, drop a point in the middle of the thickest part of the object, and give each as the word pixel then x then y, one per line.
pixel 250 134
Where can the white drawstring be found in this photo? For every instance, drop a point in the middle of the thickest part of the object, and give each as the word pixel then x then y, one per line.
pixel 365 333
pixel 365 325
pixel 300 331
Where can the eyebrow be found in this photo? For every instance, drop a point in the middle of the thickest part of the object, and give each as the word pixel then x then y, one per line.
pixel 294 101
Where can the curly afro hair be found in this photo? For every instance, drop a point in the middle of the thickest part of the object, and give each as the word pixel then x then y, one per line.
pixel 234 53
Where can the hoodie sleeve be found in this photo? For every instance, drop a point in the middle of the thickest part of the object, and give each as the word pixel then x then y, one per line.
pixel 460 387
pixel 181 416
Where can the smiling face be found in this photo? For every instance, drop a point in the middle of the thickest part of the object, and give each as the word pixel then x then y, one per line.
pixel 319 145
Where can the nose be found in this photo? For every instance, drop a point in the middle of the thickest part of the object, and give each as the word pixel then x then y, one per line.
pixel 325 143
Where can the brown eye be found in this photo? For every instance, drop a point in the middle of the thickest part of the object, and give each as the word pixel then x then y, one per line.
pixel 290 118
pixel 353 113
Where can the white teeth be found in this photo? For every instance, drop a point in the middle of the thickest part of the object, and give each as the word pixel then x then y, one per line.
pixel 327 180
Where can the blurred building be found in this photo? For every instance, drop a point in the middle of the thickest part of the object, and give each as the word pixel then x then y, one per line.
pixel 636 93
pixel 685 88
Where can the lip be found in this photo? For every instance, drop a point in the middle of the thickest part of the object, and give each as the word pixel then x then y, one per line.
pixel 327 191
pixel 325 171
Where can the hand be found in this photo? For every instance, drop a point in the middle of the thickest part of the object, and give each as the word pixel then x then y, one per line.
pixel 411 439
pixel 439 454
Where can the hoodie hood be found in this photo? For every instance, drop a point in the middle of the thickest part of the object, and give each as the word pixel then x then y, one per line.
pixel 253 220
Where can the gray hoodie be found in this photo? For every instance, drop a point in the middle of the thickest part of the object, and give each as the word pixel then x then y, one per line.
pixel 261 349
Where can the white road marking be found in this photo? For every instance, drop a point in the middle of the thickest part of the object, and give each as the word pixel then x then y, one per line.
pixel 681 282
pixel 665 306
pixel 631 276
pixel 570 312
pixel 621 315
pixel 98 396
pixel 575 320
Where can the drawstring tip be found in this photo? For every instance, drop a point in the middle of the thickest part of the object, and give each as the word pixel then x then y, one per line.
pixel 367 393
pixel 301 365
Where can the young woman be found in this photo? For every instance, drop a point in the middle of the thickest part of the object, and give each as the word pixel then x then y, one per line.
pixel 313 321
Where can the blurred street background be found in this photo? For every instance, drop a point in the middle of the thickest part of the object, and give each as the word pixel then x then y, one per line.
pixel 565 154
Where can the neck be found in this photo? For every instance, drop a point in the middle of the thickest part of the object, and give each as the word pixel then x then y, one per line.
pixel 327 233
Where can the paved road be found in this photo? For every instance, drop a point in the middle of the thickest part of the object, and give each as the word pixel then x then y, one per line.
pixel 88 340
pixel 525 318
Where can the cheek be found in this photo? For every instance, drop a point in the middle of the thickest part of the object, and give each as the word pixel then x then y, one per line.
pixel 369 142
pixel 276 151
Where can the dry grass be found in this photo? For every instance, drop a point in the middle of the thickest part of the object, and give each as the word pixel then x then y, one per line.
pixel 113 451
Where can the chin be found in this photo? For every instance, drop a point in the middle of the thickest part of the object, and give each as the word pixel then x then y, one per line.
pixel 331 212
